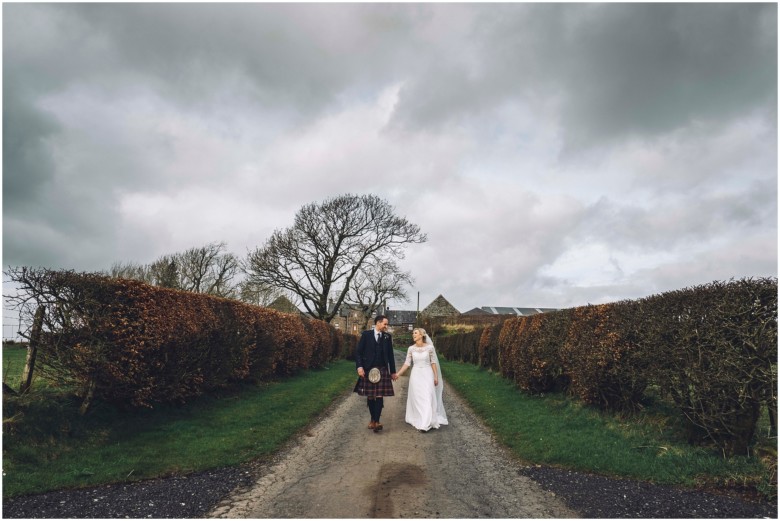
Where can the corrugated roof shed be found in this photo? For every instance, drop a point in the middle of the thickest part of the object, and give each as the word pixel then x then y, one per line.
pixel 502 310
pixel 477 311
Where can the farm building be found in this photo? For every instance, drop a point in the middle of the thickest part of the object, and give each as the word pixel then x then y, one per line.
pixel 499 310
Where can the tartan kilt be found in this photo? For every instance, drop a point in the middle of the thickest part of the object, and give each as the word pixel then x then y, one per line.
pixel 382 388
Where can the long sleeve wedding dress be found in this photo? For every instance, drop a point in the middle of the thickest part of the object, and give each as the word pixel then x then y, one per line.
pixel 424 405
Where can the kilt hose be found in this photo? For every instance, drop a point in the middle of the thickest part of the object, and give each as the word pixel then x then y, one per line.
pixel 382 388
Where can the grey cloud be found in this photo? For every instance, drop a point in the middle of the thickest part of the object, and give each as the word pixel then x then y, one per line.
pixel 63 223
pixel 294 57
pixel 28 164
pixel 676 223
pixel 614 69
pixel 281 62
pixel 745 256
pixel 653 68
pixel 168 102
pixel 300 56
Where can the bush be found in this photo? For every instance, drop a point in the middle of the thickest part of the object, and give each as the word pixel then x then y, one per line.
pixel 487 350
pixel 538 364
pixel 507 347
pixel 347 346
pixel 463 347
pixel 716 353
pixel 711 350
pixel 130 343
pixel 603 358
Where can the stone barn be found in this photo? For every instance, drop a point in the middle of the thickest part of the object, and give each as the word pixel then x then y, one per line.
pixel 440 307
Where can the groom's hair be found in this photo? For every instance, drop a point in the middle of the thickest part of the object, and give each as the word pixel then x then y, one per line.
pixel 379 318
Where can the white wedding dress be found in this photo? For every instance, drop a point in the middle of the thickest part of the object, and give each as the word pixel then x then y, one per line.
pixel 424 406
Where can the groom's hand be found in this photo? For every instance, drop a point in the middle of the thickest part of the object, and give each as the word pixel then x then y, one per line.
pixel 361 372
pixel 394 376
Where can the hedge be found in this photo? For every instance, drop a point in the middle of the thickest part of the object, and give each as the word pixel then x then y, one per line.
pixel 539 363
pixel 130 343
pixel 486 355
pixel 602 357
pixel 710 349
pixel 716 357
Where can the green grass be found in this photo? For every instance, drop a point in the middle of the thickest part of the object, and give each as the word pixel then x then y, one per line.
pixel 14 358
pixel 48 446
pixel 558 431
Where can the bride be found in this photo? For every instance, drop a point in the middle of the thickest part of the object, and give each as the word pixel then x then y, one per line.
pixel 424 407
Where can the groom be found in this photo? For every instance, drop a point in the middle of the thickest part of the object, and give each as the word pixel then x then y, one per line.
pixel 375 349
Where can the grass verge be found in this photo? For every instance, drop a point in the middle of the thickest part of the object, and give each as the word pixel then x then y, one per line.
pixel 555 430
pixel 14 358
pixel 48 446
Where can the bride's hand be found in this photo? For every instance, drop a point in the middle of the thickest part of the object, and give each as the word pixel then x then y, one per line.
pixel 435 381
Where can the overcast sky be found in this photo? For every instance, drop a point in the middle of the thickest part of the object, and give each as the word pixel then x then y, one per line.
pixel 555 154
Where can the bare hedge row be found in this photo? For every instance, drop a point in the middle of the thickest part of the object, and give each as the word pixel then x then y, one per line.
pixel 711 350
pixel 131 343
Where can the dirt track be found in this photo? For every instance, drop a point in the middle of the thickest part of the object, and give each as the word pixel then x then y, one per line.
pixel 455 472
pixel 341 469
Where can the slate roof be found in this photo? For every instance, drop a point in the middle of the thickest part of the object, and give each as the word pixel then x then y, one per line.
pixel 395 316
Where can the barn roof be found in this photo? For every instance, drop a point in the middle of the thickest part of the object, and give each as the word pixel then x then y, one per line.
pixel 284 304
pixel 396 316
pixel 440 307
pixel 503 310
pixel 477 311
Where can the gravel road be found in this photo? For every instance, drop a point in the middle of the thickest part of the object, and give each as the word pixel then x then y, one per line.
pixel 340 469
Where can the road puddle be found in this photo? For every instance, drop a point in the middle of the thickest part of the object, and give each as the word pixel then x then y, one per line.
pixel 397 482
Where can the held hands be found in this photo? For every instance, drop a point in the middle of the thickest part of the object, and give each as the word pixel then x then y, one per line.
pixel 394 377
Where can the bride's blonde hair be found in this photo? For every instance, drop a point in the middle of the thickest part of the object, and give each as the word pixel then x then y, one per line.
pixel 422 332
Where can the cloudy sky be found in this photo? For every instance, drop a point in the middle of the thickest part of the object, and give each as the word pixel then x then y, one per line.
pixel 555 154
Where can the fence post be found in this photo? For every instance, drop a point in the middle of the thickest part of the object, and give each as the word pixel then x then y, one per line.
pixel 88 398
pixel 32 350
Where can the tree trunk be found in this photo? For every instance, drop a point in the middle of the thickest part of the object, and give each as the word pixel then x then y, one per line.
pixel 32 350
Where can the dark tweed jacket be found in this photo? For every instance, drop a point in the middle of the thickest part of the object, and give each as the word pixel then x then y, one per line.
pixel 369 353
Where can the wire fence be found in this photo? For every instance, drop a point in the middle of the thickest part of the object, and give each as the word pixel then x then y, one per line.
pixel 11 323
pixel 11 328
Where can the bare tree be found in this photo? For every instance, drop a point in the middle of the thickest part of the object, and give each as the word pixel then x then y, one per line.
pixel 376 283
pixel 225 270
pixel 207 269
pixel 327 246
pixel 196 267
pixel 259 294
pixel 165 272
pixel 129 270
